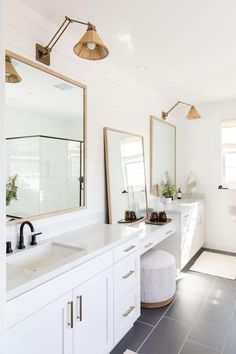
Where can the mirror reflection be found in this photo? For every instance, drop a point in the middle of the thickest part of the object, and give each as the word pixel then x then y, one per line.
pixel 45 130
pixel 163 154
pixel 127 197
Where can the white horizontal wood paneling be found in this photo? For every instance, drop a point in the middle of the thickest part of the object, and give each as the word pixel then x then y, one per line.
pixel 115 99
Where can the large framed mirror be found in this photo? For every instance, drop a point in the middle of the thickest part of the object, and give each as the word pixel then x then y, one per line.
pixel 162 154
pixel 45 116
pixel 126 180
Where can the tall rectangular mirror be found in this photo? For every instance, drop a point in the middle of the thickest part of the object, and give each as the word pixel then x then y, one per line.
pixel 125 171
pixel 163 153
pixel 45 142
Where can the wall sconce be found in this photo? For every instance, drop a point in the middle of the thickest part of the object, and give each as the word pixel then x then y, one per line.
pixel 11 75
pixel 89 47
pixel 192 114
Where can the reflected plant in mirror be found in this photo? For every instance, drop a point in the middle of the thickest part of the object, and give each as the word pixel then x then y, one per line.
pixel 11 190
pixel 125 170
pixel 45 117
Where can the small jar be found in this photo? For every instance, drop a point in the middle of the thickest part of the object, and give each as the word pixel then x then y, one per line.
pixel 164 217
pixel 127 215
pixel 154 217
pixel 132 216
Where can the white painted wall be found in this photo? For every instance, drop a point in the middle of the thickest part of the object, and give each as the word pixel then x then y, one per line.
pixel 115 100
pixel 199 150
pixel 2 185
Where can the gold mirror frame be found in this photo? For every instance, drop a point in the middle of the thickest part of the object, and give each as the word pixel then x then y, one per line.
pixel 76 83
pixel 152 120
pixel 105 131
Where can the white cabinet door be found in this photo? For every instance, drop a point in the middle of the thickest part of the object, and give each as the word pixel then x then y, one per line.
pixel 46 331
pixel 93 325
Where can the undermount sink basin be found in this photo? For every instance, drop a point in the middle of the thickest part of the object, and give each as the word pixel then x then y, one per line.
pixel 42 256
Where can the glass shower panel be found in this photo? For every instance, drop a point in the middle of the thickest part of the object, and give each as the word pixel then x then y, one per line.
pixel 59 174
pixel 23 161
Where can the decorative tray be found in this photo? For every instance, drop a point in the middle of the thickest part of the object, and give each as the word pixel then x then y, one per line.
pixel 158 222
pixel 123 221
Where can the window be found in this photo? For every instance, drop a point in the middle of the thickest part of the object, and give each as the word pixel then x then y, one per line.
pixel 229 153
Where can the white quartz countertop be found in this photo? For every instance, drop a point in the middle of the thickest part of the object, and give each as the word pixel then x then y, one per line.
pixel 94 240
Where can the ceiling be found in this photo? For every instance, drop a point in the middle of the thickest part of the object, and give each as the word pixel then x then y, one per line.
pixel 186 48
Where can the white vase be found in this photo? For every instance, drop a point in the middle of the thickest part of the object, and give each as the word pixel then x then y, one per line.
pixel 168 201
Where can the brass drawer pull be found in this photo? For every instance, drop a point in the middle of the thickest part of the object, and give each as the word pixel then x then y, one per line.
pixel 128 311
pixel 149 244
pixel 128 274
pixel 79 307
pixel 70 314
pixel 129 248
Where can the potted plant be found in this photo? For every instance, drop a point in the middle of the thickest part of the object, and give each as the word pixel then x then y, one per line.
pixel 11 190
pixel 168 192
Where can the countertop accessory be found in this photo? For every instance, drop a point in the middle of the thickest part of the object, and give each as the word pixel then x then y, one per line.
pixel 158 222
pixel 123 221
pixel 89 47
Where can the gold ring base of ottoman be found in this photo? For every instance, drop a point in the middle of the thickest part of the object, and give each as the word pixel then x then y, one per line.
pixel 154 305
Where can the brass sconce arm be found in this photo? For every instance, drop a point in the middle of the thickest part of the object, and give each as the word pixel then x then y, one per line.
pixel 192 114
pixel 81 49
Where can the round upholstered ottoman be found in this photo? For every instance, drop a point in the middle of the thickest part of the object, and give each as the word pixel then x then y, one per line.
pixel 158 278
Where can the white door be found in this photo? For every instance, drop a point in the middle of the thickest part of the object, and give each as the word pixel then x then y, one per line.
pixel 48 331
pixel 93 331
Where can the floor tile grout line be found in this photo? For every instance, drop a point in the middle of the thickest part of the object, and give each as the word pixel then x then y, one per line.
pixel 173 319
pixel 155 325
pixel 229 327
pixel 145 323
pixel 205 345
pixel 200 310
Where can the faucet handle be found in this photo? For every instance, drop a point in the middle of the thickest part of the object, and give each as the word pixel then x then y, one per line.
pixel 33 238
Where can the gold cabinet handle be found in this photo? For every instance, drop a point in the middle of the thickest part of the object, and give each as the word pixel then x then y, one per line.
pixel 70 314
pixel 128 274
pixel 128 311
pixel 148 244
pixel 79 308
pixel 129 248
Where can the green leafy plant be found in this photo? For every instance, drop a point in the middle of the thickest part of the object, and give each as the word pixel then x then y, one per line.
pixel 11 190
pixel 168 191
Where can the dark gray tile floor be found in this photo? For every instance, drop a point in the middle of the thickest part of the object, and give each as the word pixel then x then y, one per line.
pixel 201 320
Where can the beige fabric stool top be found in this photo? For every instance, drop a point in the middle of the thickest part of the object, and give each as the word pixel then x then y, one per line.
pixel 158 278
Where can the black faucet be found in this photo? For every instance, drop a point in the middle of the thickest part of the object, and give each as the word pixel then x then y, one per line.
pixel 33 242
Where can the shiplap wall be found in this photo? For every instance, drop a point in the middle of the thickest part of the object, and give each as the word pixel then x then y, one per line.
pixel 115 100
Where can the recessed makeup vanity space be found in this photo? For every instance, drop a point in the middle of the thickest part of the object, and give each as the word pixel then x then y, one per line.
pixel 61 289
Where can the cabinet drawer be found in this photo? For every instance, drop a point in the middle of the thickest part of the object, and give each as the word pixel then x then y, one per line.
pixel 126 275
pixel 166 231
pixel 148 243
pixel 126 249
pixel 127 311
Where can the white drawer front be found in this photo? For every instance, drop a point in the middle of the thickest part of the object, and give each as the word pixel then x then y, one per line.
pixel 126 248
pixel 166 231
pixel 148 243
pixel 127 311
pixel 126 275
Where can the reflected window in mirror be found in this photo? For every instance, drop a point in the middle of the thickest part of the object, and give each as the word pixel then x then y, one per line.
pixel 45 141
pixel 163 154
pixel 125 169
